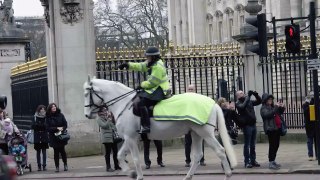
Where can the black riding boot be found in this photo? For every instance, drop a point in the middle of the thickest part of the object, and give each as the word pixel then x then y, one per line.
pixel 145 120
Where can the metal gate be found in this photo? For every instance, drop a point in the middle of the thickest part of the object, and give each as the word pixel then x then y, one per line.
pixel 287 78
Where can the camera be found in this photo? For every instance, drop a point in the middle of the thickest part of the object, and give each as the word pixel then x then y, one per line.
pixel 3 102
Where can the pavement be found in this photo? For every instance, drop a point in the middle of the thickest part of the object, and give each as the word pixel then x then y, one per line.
pixel 292 157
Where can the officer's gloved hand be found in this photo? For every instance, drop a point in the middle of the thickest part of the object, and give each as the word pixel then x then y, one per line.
pixel 124 65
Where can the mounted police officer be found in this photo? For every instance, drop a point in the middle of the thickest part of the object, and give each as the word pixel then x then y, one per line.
pixel 154 89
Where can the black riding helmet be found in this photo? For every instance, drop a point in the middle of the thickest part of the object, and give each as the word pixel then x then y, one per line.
pixel 152 51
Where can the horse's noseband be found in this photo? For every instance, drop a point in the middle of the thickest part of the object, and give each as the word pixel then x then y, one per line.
pixel 92 104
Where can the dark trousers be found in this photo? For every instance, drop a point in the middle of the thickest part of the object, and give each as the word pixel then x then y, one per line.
pixel 44 157
pixel 312 140
pixel 187 148
pixel 249 148
pixel 114 147
pixel 143 106
pixel 5 149
pixel 274 142
pixel 146 147
pixel 57 152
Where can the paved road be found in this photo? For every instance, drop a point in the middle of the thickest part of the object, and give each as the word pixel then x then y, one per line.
pixel 216 177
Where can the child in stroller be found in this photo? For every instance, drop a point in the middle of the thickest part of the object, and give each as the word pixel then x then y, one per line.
pixel 18 149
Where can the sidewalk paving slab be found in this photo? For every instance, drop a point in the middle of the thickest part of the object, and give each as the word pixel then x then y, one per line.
pixel 292 157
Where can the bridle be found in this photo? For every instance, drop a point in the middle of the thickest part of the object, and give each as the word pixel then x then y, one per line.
pixel 102 103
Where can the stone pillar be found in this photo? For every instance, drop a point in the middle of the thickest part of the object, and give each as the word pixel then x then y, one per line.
pixel 71 57
pixel 253 78
pixel 171 20
pixel 12 53
pixel 191 22
pixel 178 21
pixel 296 10
pixel 184 18
pixel 198 17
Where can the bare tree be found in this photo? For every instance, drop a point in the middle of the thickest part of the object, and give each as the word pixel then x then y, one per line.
pixel 133 22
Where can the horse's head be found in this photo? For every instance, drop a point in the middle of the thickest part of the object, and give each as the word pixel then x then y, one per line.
pixel 93 98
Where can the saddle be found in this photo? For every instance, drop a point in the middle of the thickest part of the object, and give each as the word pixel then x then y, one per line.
pixel 136 100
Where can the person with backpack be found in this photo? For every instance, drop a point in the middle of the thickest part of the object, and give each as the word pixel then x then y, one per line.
pixel 247 120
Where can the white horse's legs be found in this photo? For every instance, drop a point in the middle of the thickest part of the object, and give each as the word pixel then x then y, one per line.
pixel 121 157
pixel 216 146
pixel 135 157
pixel 197 154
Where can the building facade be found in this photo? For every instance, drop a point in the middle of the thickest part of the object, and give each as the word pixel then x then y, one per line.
pixel 193 22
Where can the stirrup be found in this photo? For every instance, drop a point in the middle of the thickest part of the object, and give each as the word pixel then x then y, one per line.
pixel 144 130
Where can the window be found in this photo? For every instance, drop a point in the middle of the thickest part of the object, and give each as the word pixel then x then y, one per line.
pixel 210 33
pixel 230 27
pixel 220 31
pixel 241 19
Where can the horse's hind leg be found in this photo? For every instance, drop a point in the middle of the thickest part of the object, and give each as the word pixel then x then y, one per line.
pixel 121 157
pixel 216 146
pixel 197 154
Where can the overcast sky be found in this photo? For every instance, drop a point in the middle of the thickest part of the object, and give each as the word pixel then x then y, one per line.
pixel 27 8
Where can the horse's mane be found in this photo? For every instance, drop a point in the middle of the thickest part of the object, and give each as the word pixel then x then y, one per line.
pixel 114 83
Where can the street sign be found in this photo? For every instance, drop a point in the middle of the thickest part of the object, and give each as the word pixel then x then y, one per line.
pixel 313 64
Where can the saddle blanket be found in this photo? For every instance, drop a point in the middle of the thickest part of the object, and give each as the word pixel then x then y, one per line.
pixel 188 106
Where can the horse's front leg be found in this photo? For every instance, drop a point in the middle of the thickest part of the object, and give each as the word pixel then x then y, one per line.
pixel 197 154
pixel 133 146
pixel 122 155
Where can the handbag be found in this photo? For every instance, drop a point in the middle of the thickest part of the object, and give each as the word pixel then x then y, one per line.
pixel 116 137
pixel 64 136
pixel 283 129
pixel 30 137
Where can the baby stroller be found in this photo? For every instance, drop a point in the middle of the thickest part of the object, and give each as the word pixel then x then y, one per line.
pixel 22 161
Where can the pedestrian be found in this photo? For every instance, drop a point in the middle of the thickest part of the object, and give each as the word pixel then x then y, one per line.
pixel 247 117
pixel 56 123
pixel 188 139
pixel 271 115
pixel 146 150
pixel 230 116
pixel 310 127
pixel 154 89
pixel 7 128
pixel 106 122
pixel 41 138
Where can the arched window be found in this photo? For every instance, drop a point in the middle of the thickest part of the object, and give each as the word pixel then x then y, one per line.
pixel 219 25
pixel 210 31
pixel 230 15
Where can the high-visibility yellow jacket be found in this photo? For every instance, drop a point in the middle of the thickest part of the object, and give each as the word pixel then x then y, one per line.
pixel 157 77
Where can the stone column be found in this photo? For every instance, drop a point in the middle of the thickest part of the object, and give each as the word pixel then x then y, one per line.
pixel 71 57
pixel 253 79
pixel 12 53
pixel 191 22
pixel 171 20
pixel 178 21
pixel 184 18
pixel 296 10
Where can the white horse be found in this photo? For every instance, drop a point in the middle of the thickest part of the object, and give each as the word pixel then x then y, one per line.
pixel 98 92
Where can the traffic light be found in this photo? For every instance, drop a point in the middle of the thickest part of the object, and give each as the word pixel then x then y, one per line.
pixel 259 34
pixel 292 38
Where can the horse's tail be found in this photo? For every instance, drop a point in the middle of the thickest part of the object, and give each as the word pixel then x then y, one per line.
pixel 225 137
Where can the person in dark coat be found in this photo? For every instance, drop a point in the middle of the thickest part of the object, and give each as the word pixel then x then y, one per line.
pixel 247 117
pixel 271 115
pixel 230 116
pixel 310 127
pixel 106 122
pixel 40 136
pixel 56 123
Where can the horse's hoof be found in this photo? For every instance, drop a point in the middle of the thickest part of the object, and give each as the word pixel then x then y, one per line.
pixel 133 174
pixel 227 178
pixel 229 174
